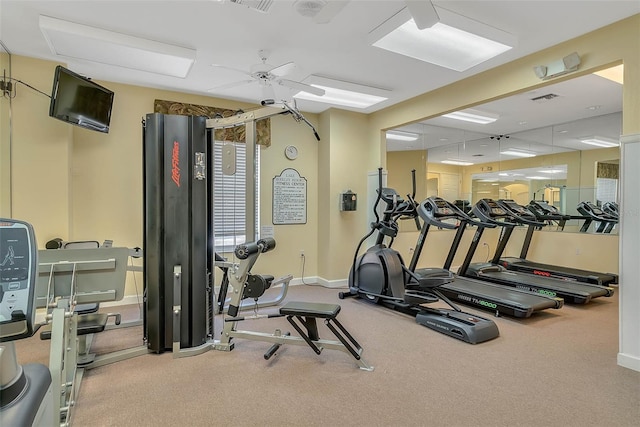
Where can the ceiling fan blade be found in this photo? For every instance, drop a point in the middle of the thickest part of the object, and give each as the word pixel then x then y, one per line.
pixel 301 87
pixel 329 11
pixel 230 85
pixel 237 70
pixel 283 70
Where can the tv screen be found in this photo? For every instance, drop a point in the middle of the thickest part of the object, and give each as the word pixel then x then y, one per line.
pixel 79 101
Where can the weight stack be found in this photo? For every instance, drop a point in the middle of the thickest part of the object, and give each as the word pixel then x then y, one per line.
pixel 175 229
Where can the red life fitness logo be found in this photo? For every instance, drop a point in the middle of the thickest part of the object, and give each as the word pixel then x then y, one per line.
pixel 542 273
pixel 175 163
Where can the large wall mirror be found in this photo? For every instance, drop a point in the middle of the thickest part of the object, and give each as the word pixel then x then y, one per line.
pixel 559 144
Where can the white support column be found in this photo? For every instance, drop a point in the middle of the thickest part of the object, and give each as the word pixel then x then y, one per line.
pixel 629 341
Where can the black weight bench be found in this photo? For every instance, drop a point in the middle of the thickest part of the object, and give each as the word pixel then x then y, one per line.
pixel 305 314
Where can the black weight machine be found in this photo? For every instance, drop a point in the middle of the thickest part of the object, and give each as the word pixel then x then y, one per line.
pixel 381 276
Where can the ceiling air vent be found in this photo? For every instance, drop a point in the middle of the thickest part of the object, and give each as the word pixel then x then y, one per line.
pixel 259 5
pixel 545 97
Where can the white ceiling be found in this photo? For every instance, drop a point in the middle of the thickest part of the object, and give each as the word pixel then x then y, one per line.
pixel 231 35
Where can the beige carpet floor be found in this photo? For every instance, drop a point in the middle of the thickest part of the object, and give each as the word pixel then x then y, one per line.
pixel 557 368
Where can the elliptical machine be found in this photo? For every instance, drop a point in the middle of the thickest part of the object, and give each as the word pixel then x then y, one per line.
pixel 380 276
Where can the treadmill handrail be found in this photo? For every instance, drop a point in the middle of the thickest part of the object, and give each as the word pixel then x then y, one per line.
pixel 526 220
pixel 426 210
pixel 587 209
pixel 481 208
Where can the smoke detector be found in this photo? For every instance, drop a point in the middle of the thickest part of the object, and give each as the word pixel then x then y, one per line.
pixel 309 8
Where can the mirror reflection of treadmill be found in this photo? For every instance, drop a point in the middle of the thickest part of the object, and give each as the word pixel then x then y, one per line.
pixel 549 270
pixel 488 211
pixel 476 293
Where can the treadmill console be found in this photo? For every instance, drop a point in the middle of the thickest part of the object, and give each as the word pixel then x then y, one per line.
pixel 18 261
pixel 520 210
pixel 490 207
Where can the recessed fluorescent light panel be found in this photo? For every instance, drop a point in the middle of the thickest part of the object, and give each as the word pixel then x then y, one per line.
pixel 517 153
pixel 456 162
pixel 343 93
pixel 599 141
pixel 401 136
pixel 78 41
pixel 473 116
pixel 455 42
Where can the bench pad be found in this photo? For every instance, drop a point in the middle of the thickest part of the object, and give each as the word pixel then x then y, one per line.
pixel 310 309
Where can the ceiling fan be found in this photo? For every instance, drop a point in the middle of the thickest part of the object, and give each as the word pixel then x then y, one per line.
pixel 267 75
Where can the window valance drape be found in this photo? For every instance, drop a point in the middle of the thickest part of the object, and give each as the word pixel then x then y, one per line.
pixel 236 134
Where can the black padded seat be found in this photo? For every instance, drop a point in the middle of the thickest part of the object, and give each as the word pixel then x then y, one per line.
pixel 304 314
pixel 310 309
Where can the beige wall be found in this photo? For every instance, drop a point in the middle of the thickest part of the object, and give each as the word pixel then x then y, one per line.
pixel 40 154
pixel 75 184
pixel 343 165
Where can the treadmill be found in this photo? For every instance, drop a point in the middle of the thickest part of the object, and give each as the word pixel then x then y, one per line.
pixel 549 213
pixel 483 295
pixel 488 211
pixel 605 222
pixel 547 270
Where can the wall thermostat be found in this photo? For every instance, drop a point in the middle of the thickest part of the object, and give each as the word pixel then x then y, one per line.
pixel 291 152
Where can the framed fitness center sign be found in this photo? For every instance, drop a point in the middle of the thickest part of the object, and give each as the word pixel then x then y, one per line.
pixel 289 198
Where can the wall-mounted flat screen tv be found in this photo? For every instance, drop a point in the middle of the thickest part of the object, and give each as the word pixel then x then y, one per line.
pixel 79 101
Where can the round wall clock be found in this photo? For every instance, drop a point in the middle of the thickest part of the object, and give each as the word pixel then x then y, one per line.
pixel 291 152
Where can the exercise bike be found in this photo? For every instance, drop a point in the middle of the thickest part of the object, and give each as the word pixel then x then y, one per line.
pixel 381 276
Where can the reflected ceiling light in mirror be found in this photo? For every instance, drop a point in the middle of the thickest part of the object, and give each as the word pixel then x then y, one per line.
pixel 599 141
pixel 473 116
pixel 539 178
pixel 515 152
pixel 453 42
pixel 552 171
pixel 456 162
pixel 401 135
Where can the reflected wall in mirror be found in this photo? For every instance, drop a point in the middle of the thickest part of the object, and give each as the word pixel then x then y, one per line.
pixel 5 135
pixel 549 144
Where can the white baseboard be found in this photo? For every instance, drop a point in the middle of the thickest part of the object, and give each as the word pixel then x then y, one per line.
pixel 127 300
pixel 309 280
pixel 629 361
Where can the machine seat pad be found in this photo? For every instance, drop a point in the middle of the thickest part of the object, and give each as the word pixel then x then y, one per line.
pixel 87 324
pixel 310 309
